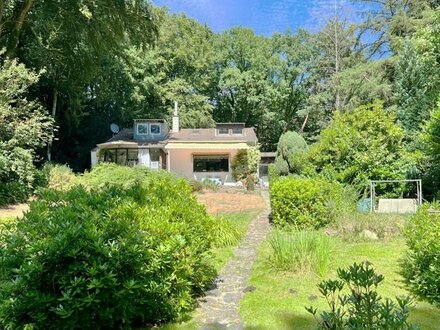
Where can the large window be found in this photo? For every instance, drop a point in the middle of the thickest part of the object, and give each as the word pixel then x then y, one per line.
pixel 121 156
pixel 211 163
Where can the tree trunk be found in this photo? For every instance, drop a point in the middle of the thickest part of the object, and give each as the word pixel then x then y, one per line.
pixel 304 123
pixel 11 52
pixel 53 113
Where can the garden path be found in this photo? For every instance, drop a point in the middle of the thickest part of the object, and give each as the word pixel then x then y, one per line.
pixel 219 308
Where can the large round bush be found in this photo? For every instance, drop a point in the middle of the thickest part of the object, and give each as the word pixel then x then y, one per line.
pixel 304 203
pixel 117 257
pixel 421 266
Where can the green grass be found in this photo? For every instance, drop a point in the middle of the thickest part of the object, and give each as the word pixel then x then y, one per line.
pixel 280 297
pixel 300 250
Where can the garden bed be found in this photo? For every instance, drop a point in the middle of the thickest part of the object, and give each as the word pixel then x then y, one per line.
pixel 231 200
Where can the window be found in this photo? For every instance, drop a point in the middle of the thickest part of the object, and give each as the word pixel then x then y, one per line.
pixel 223 130
pixel 212 163
pixel 237 131
pixel 121 156
pixel 142 129
pixel 154 129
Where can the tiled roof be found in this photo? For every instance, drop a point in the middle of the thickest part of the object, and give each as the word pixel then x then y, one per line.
pixel 191 135
pixel 126 135
pixel 209 134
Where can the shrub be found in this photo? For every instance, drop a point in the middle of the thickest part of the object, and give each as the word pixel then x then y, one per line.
pixel 421 265
pixel 117 257
pixel 290 151
pixel 105 174
pixel 244 166
pixel 361 307
pixel 196 186
pixel 225 233
pixel 300 251
pixel 61 177
pixel 361 145
pixel 13 192
pixel 305 203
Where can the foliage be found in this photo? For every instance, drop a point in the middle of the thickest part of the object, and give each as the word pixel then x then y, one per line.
pixel 417 80
pixel 300 251
pixel 362 145
pixel 12 193
pixel 110 258
pixel 225 233
pixel 244 166
pixel 421 265
pixel 305 203
pixel 351 225
pixel 290 151
pixel 430 162
pixel 281 292
pixel 24 127
pixel 60 177
pixel 104 174
pixel 362 307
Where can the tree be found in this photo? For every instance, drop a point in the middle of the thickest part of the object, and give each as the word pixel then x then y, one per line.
pixel 337 50
pixel 361 145
pixel 390 22
pixel 416 87
pixel 70 39
pixel 24 125
pixel 430 162
pixel 290 152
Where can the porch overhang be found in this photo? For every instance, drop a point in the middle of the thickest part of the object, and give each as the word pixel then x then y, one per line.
pixel 117 144
pixel 207 145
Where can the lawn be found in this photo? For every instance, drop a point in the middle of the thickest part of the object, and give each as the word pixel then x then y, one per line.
pixel 279 299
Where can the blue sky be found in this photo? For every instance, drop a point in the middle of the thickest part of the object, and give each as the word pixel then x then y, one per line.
pixel 264 16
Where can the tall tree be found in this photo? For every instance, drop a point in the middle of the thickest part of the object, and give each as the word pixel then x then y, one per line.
pixel 24 125
pixel 386 23
pixel 416 87
pixel 69 39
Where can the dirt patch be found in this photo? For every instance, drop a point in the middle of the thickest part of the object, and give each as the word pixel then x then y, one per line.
pixel 13 210
pixel 224 201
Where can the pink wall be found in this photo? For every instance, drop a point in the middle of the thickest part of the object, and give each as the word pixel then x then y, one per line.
pixel 181 163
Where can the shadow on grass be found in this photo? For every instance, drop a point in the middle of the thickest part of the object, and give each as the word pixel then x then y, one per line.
pixel 291 321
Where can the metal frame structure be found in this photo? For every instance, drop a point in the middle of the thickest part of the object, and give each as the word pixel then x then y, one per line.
pixel 373 189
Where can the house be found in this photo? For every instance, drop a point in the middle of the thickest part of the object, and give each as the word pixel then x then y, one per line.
pixel 201 153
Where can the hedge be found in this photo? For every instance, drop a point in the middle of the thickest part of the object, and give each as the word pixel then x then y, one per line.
pixel 305 203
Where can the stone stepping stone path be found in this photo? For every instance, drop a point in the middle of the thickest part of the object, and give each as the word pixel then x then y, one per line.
pixel 219 308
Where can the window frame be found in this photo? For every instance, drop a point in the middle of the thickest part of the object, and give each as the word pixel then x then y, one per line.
pixel 155 124
pixel 143 124
pixel 222 133
pixel 205 158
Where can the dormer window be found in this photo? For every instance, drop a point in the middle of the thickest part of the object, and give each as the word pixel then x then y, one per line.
pixel 237 131
pixel 142 129
pixel 149 129
pixel 223 131
pixel 229 129
pixel 155 129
